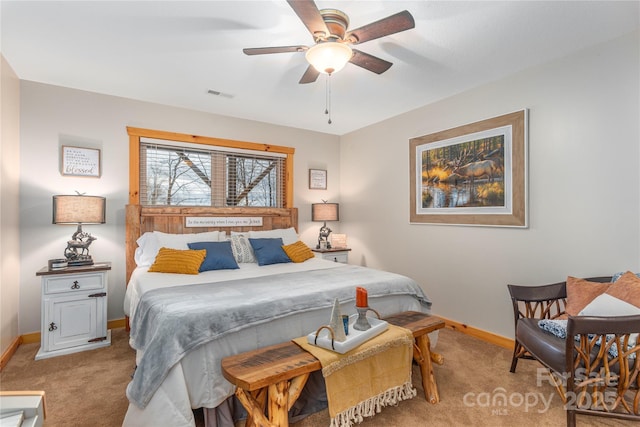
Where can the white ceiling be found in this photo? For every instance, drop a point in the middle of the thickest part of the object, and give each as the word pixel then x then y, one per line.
pixel 173 52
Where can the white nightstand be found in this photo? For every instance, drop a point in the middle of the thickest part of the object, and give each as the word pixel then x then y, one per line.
pixel 333 254
pixel 74 310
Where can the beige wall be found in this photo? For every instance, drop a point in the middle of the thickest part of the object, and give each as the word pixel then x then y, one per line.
pixel 9 202
pixel 583 187
pixel 584 183
pixel 52 116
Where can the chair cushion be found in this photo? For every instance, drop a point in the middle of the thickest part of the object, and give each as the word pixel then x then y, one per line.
pixel 544 346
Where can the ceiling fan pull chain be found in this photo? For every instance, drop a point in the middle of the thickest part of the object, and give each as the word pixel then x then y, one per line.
pixel 327 102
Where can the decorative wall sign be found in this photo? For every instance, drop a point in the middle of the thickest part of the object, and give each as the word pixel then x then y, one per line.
pixel 223 221
pixel 474 174
pixel 77 161
pixel 317 179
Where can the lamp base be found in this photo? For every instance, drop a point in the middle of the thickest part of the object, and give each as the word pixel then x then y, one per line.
pixel 82 260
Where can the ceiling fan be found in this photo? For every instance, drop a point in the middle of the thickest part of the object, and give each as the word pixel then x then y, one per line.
pixel 332 48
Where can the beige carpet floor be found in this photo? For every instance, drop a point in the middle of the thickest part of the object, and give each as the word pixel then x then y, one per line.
pixel 476 389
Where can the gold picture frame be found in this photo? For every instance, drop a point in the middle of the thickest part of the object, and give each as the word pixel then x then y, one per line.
pixel 475 174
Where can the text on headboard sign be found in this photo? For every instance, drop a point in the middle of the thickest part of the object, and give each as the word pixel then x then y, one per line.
pixel 223 221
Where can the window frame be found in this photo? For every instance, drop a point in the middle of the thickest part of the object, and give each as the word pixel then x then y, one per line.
pixel 135 135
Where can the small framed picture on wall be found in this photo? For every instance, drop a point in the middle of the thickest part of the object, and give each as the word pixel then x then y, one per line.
pixel 77 161
pixel 317 179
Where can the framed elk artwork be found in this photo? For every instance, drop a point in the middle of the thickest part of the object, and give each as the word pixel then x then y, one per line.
pixel 474 174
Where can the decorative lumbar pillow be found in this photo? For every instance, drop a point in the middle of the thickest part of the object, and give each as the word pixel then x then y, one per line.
pixel 557 327
pixel 626 288
pixel 178 261
pixel 298 251
pixel 242 250
pixel 581 292
pixel 219 255
pixel 269 251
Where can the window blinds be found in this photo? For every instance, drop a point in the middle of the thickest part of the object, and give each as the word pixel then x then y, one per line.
pixel 175 174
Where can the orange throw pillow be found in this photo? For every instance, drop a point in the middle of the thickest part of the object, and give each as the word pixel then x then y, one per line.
pixel 581 292
pixel 626 288
pixel 298 251
pixel 178 261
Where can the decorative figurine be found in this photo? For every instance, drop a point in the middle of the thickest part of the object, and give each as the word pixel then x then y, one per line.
pixel 336 322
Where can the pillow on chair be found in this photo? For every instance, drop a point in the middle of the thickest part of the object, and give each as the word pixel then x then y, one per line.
pixel 581 292
pixel 626 288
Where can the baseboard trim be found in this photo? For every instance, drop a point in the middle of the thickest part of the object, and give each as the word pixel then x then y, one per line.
pixel 116 324
pixel 6 356
pixel 481 334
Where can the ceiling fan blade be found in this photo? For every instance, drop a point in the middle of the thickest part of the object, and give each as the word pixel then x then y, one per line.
pixel 310 16
pixel 401 21
pixel 369 62
pixel 309 76
pixel 278 49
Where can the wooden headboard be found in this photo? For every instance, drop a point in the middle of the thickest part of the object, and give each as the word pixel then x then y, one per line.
pixel 140 219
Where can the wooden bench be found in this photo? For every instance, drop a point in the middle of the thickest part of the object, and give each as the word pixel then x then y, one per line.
pixel 280 371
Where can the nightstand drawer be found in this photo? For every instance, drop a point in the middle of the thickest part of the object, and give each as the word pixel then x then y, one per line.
pixel 342 257
pixel 74 283
pixel 335 255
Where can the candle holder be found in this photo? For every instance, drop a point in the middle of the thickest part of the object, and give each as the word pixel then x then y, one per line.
pixel 362 324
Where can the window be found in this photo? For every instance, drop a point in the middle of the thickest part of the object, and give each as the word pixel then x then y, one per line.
pixel 201 171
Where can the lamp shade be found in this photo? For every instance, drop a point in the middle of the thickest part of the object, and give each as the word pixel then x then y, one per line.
pixel 325 212
pixel 329 57
pixel 77 209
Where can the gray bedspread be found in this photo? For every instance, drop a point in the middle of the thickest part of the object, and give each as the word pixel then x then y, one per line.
pixel 169 322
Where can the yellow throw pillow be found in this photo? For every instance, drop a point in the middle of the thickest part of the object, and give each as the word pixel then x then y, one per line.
pixel 298 251
pixel 178 261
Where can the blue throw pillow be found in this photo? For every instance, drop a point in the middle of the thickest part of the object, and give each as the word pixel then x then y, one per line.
pixel 269 251
pixel 219 255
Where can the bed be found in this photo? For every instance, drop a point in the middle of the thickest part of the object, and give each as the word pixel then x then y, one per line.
pixel 182 325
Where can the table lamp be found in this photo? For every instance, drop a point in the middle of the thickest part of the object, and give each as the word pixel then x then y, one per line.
pixel 324 212
pixel 79 209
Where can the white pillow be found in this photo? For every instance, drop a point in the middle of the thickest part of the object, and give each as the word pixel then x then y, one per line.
pixel 150 243
pixel 607 305
pixel 147 249
pixel 180 241
pixel 288 235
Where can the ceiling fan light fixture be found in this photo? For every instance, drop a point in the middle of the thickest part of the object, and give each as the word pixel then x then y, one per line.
pixel 329 57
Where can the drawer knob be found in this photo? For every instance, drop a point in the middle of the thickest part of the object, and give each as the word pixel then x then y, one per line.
pixel 75 285
pixel 52 327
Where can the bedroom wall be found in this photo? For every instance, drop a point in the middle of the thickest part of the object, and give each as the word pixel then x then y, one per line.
pixel 9 219
pixel 584 186
pixel 52 116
